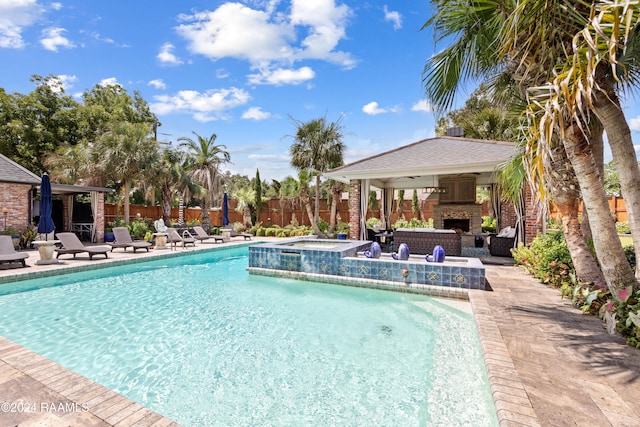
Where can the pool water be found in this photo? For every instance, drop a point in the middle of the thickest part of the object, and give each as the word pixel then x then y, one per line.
pixel 202 342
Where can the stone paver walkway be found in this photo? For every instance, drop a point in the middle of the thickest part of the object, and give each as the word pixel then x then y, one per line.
pixel 571 370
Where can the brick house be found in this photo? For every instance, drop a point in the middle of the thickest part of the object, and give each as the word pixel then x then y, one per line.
pixel 446 169
pixel 19 205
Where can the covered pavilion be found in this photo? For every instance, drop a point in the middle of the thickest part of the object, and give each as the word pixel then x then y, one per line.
pixel 447 168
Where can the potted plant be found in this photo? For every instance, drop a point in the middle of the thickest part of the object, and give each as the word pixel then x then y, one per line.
pixel 28 235
pixel 15 235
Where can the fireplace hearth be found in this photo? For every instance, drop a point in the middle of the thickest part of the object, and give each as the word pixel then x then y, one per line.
pixel 456 224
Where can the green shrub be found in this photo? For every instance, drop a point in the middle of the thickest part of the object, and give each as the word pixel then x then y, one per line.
pixel 373 222
pixel 259 232
pixel 323 225
pixel 138 229
pixel 547 258
pixel 630 252
pixel 488 224
pixel 622 227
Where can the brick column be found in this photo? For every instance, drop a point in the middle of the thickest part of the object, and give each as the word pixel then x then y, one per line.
pixel 532 218
pixel 354 209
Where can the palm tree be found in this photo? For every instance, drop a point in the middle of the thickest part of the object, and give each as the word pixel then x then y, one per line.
pixel 246 196
pixel 289 195
pixel 317 148
pixel 125 152
pixel 204 161
pixel 524 43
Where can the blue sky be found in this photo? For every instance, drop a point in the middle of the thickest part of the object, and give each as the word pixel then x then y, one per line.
pixel 241 69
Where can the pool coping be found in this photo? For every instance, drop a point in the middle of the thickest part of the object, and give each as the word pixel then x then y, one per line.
pixel 512 404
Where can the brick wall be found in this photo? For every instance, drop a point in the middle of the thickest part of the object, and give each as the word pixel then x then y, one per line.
pixel 354 209
pixel 15 198
pixel 533 218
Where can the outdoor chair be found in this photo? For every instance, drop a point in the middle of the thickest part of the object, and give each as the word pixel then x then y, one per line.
pixel 124 240
pixel 502 243
pixel 203 235
pixel 8 252
pixel 72 245
pixel 173 237
pixel 232 233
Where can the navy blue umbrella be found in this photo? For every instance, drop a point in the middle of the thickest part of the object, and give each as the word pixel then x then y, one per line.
pixel 45 224
pixel 225 210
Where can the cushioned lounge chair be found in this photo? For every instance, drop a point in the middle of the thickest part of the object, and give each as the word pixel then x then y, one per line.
pixel 173 237
pixel 124 240
pixel 203 235
pixel 72 245
pixel 233 233
pixel 8 254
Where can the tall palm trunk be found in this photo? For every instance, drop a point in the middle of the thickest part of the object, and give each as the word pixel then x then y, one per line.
pixel 316 212
pixel 597 148
pixel 206 213
pixel 166 204
pixel 126 189
pixel 565 191
pixel 615 267
pixel 306 201
pixel 336 192
pixel 607 107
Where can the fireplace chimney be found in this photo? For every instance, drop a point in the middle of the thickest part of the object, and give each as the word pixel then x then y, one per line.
pixel 456 131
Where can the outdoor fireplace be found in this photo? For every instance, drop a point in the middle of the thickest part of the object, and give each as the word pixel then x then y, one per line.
pixel 467 217
pixel 456 223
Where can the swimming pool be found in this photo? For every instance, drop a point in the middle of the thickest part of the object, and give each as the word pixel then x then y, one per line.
pixel 200 341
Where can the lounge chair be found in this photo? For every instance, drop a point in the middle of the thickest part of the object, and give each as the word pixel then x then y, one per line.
pixel 8 252
pixel 232 233
pixel 72 245
pixel 203 235
pixel 124 240
pixel 173 237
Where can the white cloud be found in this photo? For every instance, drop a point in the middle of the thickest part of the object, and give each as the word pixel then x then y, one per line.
pixel 56 6
pixel 634 124
pixel 52 39
pixel 373 109
pixel 111 81
pixel 281 76
pixel 255 113
pixel 393 16
pixel 14 17
pixel 166 56
pixel 422 105
pixel 270 39
pixel 204 107
pixel 269 157
pixel 157 83
pixel 66 83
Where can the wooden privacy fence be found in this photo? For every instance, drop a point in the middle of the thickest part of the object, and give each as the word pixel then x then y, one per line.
pixel 616 205
pixel 272 213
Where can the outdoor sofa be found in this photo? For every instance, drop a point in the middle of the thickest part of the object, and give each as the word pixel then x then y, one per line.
pixel 423 240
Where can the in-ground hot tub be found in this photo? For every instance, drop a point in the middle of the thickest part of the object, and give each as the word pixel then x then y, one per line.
pixel 344 258
pixel 309 255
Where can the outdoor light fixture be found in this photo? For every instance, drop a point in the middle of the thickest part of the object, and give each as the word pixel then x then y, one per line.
pixel 438 190
pixel 5 212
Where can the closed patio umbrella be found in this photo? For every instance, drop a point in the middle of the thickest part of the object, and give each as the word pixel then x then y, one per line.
pixel 45 223
pixel 225 210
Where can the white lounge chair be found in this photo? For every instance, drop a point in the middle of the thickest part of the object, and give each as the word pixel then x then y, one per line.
pixel 8 252
pixel 173 237
pixel 203 235
pixel 124 240
pixel 72 245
